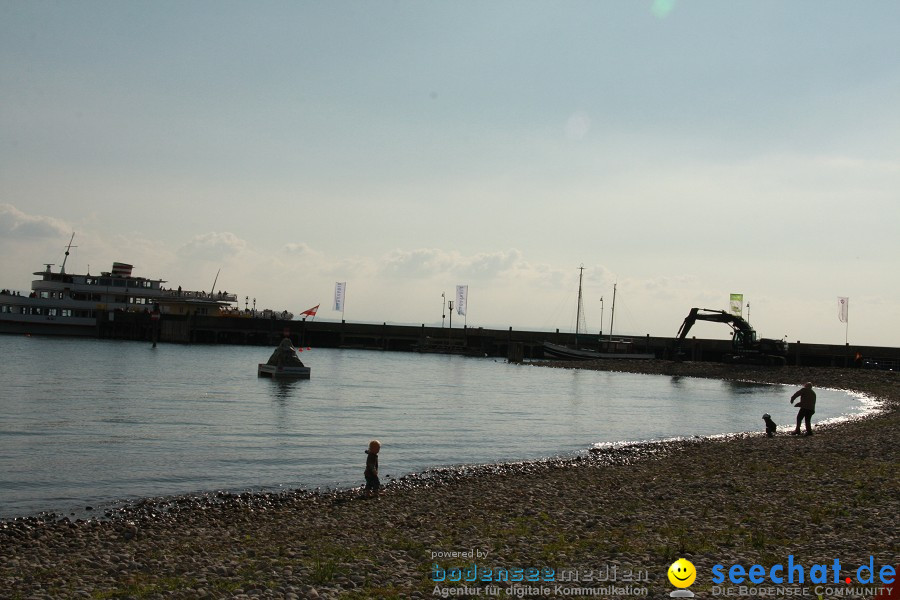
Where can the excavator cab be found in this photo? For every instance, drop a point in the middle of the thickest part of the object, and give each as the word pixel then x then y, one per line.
pixel 743 339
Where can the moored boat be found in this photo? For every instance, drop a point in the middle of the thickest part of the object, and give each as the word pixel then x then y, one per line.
pixel 620 348
pixel 566 353
pixel 62 303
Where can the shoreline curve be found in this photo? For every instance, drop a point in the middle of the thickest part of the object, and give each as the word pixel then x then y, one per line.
pixel 743 498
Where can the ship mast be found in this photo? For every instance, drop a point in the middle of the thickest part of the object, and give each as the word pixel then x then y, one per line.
pixel 579 317
pixel 62 269
pixel 613 316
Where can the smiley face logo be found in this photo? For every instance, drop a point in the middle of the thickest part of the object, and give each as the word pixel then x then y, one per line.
pixel 682 573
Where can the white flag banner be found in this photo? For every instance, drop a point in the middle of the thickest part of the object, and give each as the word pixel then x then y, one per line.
pixel 843 309
pixel 340 289
pixel 737 304
pixel 462 297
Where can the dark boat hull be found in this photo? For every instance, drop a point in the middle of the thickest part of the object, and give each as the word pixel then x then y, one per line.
pixel 565 353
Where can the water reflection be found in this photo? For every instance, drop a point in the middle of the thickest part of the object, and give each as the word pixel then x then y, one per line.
pixel 742 387
pixel 282 389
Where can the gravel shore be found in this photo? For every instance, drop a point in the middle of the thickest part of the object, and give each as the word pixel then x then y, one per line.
pixel 626 513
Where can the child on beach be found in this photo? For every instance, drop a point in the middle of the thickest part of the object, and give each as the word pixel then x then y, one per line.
pixel 373 485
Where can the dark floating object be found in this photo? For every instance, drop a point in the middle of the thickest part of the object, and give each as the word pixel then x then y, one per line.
pixel 284 363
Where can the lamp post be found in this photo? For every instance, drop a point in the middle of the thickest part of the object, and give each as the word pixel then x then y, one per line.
pixel 450 304
pixel 443 308
pixel 748 312
pixel 246 303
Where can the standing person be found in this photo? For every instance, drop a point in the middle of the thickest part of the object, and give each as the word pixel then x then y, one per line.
pixel 807 406
pixel 373 485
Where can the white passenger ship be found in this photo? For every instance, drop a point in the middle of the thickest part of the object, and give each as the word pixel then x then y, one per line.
pixel 68 304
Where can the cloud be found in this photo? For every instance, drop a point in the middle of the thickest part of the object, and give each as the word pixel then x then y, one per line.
pixel 15 223
pixel 434 262
pixel 300 248
pixel 421 262
pixel 493 264
pixel 213 246
pixel 303 255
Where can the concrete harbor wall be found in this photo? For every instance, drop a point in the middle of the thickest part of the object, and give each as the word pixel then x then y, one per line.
pixel 504 343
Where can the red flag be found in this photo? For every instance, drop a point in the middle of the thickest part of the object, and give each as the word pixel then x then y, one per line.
pixel 311 312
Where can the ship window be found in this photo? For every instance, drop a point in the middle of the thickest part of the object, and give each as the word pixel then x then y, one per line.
pixel 5 308
pixel 104 281
pixel 119 282
pixel 147 284
pixel 45 295
pixel 66 312
pixel 52 312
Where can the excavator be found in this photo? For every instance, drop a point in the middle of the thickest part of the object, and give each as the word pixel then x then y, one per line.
pixel 746 347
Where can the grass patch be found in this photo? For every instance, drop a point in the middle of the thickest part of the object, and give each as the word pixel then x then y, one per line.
pixel 325 563
pixel 366 592
pixel 140 586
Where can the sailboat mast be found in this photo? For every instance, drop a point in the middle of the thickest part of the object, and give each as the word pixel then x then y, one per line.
pixel 580 309
pixel 613 313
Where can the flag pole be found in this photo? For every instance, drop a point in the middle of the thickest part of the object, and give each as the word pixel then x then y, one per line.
pixel 844 316
pixel 847 327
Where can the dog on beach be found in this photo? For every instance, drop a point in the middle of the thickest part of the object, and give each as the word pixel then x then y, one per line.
pixel 770 425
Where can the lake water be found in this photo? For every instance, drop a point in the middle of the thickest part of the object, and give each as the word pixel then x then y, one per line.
pixel 83 422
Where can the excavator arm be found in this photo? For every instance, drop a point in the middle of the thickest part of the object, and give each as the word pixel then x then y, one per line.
pixel 744 341
pixel 716 316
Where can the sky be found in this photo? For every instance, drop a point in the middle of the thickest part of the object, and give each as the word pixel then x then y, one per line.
pixel 681 151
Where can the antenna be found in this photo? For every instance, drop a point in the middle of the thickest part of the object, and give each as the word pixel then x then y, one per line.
pixel 62 269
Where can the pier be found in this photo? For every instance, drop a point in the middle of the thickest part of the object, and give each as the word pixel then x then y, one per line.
pixel 470 341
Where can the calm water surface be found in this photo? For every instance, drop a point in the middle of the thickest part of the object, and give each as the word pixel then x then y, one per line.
pixel 91 421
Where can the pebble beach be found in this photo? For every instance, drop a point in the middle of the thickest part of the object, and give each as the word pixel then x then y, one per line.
pixel 614 520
